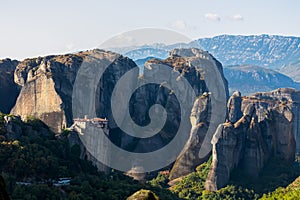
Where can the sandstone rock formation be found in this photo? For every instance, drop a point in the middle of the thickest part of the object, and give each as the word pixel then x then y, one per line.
pixel 74 139
pixel 47 89
pixel 9 90
pixel 234 107
pixel 291 98
pixel 208 110
pixel 47 85
pixel 265 129
pixel 189 64
pixel 189 159
pixel 39 95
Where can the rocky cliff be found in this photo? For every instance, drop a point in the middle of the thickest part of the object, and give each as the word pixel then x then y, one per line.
pixel 267 128
pixel 47 89
pixel 47 85
pixel 183 64
pixel 288 97
pixel 9 90
pixel 203 117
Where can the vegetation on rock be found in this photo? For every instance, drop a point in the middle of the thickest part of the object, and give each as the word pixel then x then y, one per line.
pixel 143 195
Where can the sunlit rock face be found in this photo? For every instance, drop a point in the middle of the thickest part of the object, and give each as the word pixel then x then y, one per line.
pixel 47 85
pixel 267 128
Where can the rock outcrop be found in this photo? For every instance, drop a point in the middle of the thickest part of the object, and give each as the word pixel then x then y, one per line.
pixel 9 90
pixel 287 96
pixel 265 129
pixel 203 116
pixel 143 195
pixel 73 140
pixel 189 159
pixel 12 128
pixel 183 63
pixel 47 89
pixel 234 107
pixel 196 67
pixel 47 85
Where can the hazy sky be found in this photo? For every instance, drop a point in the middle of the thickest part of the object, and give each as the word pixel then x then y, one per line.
pixel 32 28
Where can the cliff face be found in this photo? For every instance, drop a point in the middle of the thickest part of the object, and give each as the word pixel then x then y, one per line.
pixel 182 63
pixel 234 107
pixel 289 97
pixel 41 84
pixel 189 159
pixel 203 116
pixel 47 86
pixel 265 129
pixel 9 90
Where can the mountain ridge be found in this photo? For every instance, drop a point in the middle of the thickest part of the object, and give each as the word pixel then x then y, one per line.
pixel 250 79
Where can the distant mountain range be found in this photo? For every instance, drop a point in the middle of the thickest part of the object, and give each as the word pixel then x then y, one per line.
pixel 292 69
pixel 251 79
pixel 248 79
pixel 280 53
pixel 271 51
pixel 266 61
pixel 263 50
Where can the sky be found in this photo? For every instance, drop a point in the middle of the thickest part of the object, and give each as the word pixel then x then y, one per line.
pixel 34 28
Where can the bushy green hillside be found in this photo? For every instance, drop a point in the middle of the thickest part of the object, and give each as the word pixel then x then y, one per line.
pixel 33 159
pixel 192 187
pixel 33 163
pixel 292 192
pixel 276 174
